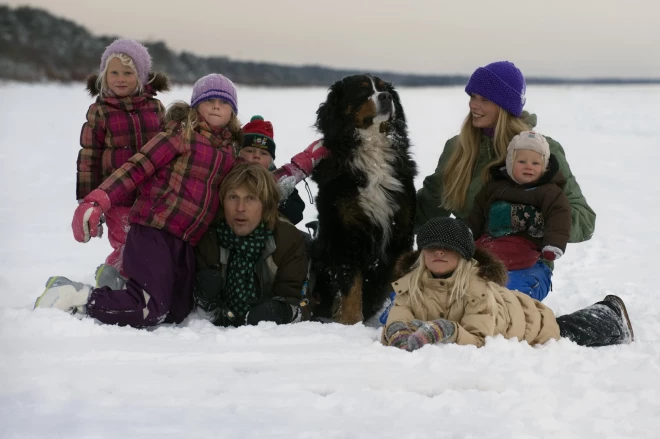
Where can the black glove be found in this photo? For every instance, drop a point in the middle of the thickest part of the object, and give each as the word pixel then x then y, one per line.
pixel 223 317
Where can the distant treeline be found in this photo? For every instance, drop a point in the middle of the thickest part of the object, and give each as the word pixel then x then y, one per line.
pixel 37 46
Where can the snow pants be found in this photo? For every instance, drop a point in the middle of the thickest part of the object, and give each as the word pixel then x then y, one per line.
pixel 161 270
pixel 534 281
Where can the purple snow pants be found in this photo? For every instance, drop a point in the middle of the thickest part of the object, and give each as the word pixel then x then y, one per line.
pixel 160 268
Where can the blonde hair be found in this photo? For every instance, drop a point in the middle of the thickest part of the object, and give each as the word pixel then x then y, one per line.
pixel 258 181
pixel 460 276
pixel 181 111
pixel 460 167
pixel 102 82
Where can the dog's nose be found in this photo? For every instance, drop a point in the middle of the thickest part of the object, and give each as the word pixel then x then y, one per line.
pixel 385 98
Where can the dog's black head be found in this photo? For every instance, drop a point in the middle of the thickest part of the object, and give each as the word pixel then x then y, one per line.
pixel 358 102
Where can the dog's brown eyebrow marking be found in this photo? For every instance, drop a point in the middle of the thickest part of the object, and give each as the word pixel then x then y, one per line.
pixel 381 84
pixel 365 84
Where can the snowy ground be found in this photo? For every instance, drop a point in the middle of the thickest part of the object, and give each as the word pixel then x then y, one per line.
pixel 64 377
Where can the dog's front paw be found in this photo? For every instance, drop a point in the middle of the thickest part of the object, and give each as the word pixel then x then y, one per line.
pixel 348 309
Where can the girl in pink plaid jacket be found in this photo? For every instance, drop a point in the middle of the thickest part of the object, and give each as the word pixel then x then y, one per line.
pixel 125 116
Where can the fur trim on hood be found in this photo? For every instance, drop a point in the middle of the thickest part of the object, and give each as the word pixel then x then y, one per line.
pixel 490 267
pixel 159 82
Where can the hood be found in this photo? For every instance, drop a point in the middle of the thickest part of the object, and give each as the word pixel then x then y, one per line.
pixel 529 118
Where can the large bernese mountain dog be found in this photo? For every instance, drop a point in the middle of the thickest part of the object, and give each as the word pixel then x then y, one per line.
pixel 366 197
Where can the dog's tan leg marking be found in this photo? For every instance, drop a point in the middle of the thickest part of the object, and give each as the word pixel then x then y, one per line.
pixel 349 311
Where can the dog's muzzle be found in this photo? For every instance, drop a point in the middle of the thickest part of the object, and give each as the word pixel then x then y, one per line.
pixel 384 103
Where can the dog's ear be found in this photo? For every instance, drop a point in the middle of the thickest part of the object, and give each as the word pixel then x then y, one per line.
pixel 400 115
pixel 326 115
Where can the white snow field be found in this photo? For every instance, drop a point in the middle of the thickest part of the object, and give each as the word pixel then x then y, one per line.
pixel 65 377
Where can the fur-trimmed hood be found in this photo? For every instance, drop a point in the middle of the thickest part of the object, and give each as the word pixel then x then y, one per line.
pixel 490 267
pixel 158 82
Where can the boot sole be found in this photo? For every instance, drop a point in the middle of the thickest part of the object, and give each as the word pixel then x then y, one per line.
pixel 622 306
pixel 51 280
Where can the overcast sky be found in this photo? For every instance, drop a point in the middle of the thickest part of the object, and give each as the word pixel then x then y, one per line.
pixel 572 38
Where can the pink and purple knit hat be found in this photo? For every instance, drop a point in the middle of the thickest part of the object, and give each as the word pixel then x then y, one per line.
pixel 138 53
pixel 214 86
pixel 501 82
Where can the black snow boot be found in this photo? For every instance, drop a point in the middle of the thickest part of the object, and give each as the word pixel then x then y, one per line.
pixel 623 313
pixel 602 324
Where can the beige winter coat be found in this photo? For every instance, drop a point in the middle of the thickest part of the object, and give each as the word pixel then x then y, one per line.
pixel 488 308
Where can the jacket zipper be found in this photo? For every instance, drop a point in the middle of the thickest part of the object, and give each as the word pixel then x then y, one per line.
pixel 138 132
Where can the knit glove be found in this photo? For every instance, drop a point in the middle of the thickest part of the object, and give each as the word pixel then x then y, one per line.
pixel 550 253
pixel 302 164
pixel 397 335
pixel 88 215
pixel 310 157
pixel 436 331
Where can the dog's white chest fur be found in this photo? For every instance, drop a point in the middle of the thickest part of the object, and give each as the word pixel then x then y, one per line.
pixel 375 158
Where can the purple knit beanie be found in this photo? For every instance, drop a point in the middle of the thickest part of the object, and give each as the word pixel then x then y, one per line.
pixel 214 86
pixel 136 51
pixel 500 82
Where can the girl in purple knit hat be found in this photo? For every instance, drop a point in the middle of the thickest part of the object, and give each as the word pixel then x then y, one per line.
pixel 125 116
pixel 496 99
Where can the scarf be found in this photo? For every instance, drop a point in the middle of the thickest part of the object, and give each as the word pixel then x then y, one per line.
pixel 242 290
pixel 221 138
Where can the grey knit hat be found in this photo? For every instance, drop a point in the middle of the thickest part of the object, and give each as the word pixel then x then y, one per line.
pixel 447 233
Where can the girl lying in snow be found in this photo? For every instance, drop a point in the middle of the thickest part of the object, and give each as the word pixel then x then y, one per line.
pixel 451 293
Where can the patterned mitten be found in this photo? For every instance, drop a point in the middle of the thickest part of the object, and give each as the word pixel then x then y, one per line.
pixel 436 331
pixel 397 335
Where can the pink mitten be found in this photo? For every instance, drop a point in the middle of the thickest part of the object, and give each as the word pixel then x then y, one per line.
pixel 310 157
pixel 302 164
pixel 87 217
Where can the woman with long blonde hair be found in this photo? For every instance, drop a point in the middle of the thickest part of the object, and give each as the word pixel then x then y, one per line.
pixel 496 116
pixel 497 97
